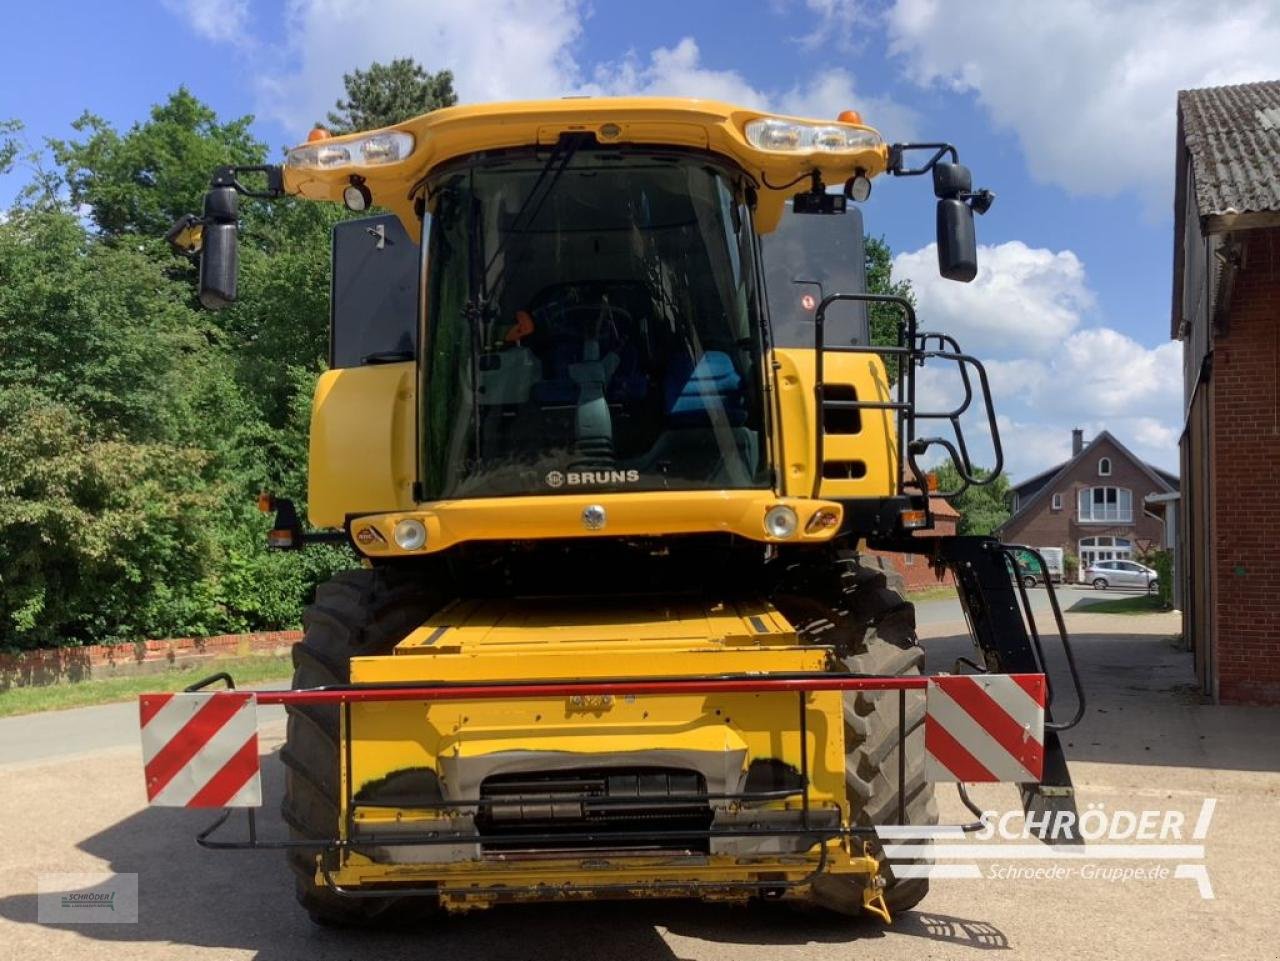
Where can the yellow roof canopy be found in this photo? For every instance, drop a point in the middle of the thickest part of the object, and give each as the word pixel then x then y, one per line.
pixel 393 167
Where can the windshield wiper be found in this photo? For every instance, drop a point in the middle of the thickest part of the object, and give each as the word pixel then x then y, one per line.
pixel 561 155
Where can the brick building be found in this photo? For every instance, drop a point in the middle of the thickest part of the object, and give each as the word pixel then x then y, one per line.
pixel 1091 506
pixel 916 570
pixel 1226 304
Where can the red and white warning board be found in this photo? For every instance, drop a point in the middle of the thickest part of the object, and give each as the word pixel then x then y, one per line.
pixel 200 749
pixel 984 727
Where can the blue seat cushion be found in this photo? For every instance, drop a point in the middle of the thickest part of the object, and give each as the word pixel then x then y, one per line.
pixel 691 390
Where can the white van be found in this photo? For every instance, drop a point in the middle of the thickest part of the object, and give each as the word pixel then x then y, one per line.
pixel 1029 568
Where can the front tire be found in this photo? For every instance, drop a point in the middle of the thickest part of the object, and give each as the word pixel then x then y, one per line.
pixel 355 614
pixel 874 628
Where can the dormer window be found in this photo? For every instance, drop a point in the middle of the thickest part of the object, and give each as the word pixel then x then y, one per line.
pixel 1104 467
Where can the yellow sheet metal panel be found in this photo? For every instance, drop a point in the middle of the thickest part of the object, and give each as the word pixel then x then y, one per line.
pixel 362 442
pixel 718 734
pixel 459 738
pixel 448 134
pixel 556 878
pixel 738 512
pixel 874 446
pixel 553 625
pixel 574 661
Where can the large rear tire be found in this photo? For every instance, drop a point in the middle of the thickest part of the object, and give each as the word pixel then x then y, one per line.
pixel 863 614
pixel 357 613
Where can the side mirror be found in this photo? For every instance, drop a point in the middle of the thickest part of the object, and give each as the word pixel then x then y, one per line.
pixel 957 240
pixel 220 255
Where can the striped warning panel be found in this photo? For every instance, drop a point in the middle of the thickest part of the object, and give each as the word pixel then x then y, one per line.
pixel 984 727
pixel 200 749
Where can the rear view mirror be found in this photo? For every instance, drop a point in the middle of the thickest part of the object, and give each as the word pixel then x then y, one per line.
pixel 957 241
pixel 220 256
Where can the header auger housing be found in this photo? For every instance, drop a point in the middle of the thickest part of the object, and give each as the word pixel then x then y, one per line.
pixel 605 421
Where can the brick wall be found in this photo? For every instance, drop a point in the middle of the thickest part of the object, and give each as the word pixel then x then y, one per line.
pixel 915 568
pixel 1245 620
pixel 54 664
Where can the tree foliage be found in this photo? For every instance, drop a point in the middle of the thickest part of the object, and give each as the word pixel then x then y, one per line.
pixel 139 182
pixel 885 319
pixel 136 428
pixel 389 93
pixel 982 509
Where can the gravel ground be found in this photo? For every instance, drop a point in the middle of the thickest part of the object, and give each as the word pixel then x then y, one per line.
pixel 1147 743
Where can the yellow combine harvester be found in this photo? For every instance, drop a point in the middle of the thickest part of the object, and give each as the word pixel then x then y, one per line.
pixel 606 424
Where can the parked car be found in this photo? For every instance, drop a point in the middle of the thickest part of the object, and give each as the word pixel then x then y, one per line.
pixel 1104 574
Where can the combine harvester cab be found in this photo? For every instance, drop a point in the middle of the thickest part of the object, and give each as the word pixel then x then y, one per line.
pixel 606 424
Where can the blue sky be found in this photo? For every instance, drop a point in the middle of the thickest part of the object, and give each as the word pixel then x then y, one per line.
pixel 1065 110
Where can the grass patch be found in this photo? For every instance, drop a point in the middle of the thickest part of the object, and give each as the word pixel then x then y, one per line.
pixel 943 592
pixel 1138 604
pixel 105 690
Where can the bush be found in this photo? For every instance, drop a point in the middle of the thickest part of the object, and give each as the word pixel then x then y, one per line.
pixel 1161 561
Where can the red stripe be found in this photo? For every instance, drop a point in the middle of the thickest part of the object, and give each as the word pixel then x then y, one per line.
pixel 222 787
pixel 149 705
pixel 951 754
pixel 194 735
pixel 1033 684
pixel 967 692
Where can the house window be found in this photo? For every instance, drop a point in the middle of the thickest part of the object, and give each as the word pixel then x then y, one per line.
pixel 1110 505
pixel 1104 467
pixel 1057 502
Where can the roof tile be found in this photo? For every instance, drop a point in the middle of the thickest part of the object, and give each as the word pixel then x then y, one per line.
pixel 1233 137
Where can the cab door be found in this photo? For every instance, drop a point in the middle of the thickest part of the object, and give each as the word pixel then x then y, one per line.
pixel 809 257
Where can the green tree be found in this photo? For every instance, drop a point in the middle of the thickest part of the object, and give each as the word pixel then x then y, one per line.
pixel 105 538
pixel 885 319
pixel 390 93
pixel 141 181
pixel 135 428
pixel 982 509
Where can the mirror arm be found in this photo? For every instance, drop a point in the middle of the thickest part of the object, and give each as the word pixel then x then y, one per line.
pixel 229 176
pixel 897 160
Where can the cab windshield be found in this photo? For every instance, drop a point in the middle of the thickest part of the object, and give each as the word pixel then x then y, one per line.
pixel 593 324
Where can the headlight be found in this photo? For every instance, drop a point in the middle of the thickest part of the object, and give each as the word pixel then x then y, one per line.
pixel 794 136
pixel 780 521
pixel 410 535
pixel 380 148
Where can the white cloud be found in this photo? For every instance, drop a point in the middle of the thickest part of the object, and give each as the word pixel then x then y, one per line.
pixel 507 50
pixel 223 22
pixel 1024 297
pixel 1024 317
pixel 678 72
pixel 497 49
pixel 1088 87
pixel 832 20
pixel 675 72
